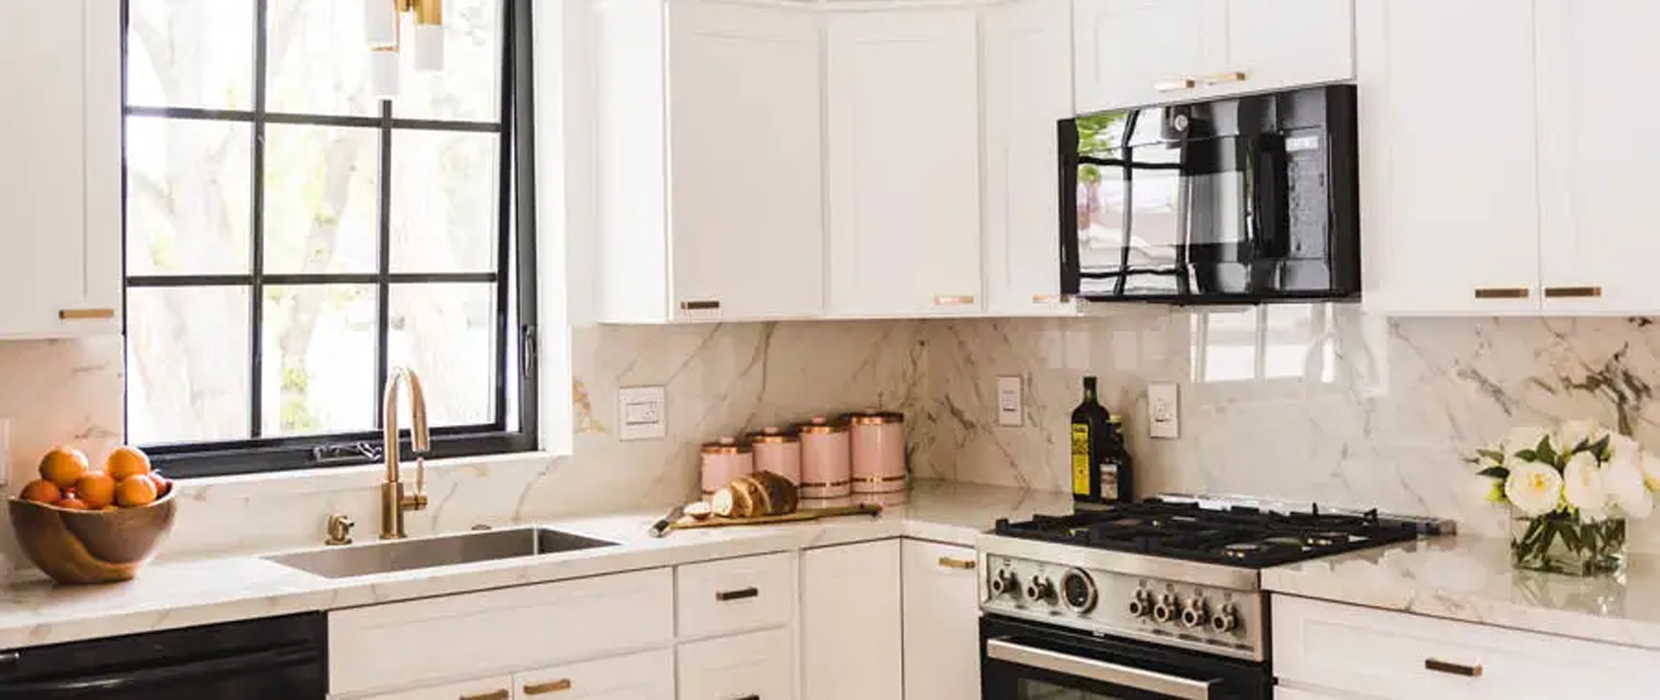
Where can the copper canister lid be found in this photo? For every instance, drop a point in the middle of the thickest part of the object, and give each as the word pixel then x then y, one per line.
pixel 726 446
pixel 821 425
pixel 874 417
pixel 772 435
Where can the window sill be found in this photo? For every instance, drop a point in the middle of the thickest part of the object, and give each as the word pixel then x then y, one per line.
pixel 335 479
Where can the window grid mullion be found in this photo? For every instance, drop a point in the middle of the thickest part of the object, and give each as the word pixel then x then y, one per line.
pixel 383 283
pixel 256 231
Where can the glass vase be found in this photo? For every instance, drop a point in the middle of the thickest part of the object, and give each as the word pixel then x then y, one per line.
pixel 1560 543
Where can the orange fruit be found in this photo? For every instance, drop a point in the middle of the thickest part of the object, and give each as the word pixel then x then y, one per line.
pixel 127 461
pixel 97 489
pixel 71 503
pixel 42 491
pixel 163 484
pixel 63 466
pixel 135 491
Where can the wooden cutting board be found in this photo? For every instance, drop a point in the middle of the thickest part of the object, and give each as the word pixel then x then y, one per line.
pixel 803 515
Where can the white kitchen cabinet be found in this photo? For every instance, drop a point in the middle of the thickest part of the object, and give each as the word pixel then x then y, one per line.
pixel 709 173
pixel 851 622
pixel 903 99
pixel 60 184
pixel 1450 168
pixel 735 595
pixel 644 676
pixel 1131 53
pixel 758 665
pixel 486 688
pixel 942 621
pixel 1027 88
pixel 1284 692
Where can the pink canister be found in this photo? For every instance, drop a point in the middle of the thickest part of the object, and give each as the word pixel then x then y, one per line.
pixel 826 459
pixel 723 461
pixel 779 452
pixel 878 452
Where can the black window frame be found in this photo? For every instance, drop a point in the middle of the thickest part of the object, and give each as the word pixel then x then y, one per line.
pixel 515 276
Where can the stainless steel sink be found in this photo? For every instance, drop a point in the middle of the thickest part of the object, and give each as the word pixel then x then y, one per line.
pixel 425 553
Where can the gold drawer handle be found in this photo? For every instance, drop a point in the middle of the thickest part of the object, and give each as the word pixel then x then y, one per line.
pixel 550 687
pixel 960 564
pixel 1235 76
pixel 1448 667
pixel 1051 298
pixel 1572 292
pixel 85 314
pixel 1502 293
pixel 1176 85
pixel 494 695
pixel 952 301
pixel 704 305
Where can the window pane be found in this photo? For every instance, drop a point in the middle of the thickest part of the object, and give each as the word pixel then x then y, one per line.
pixel 469 87
pixel 446 333
pixel 318 374
pixel 320 193
pixel 187 364
pixel 445 204
pixel 318 61
pixel 191 53
pixel 188 190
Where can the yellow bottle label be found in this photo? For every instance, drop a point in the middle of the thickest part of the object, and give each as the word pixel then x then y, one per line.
pixel 1080 460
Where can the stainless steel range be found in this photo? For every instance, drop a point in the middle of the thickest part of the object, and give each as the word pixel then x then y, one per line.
pixel 1158 599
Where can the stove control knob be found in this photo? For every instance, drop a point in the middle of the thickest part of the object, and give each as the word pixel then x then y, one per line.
pixel 1226 620
pixel 1078 591
pixel 1195 613
pixel 1165 610
pixel 999 583
pixel 1142 604
pixel 1041 590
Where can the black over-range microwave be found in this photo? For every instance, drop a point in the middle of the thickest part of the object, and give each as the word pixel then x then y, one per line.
pixel 1243 200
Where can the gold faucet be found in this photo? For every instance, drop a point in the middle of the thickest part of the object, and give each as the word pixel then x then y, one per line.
pixel 393 502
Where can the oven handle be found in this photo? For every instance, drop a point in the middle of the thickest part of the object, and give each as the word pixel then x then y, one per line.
pixel 1127 676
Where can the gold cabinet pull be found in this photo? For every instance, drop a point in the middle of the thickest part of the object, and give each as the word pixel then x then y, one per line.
pixel 549 687
pixel 1572 292
pixel 492 695
pixel 1502 293
pixel 953 301
pixel 960 564
pixel 1051 298
pixel 85 314
pixel 1234 76
pixel 1176 85
pixel 1448 667
pixel 700 305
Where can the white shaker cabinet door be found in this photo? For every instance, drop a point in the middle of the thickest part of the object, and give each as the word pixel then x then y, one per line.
pixel 60 168
pixel 1131 53
pixel 851 622
pixel 1280 44
pixel 942 621
pixel 487 688
pixel 644 676
pixel 1449 173
pixel 904 165
pixel 759 665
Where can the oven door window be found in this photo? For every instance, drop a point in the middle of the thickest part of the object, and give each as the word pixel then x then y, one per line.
pixel 1026 661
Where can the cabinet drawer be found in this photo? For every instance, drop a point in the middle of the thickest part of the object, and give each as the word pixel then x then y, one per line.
pixel 498 631
pixel 759 666
pixel 491 688
pixel 733 595
pixel 644 676
pixel 1375 653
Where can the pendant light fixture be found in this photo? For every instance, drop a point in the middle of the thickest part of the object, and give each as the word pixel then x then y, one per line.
pixel 383 32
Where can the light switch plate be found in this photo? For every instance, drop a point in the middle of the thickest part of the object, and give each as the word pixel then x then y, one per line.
pixel 1011 402
pixel 1163 411
pixel 642 413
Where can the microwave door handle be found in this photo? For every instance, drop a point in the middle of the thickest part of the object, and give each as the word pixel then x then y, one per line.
pixel 1270 198
pixel 1095 670
pixel 99 685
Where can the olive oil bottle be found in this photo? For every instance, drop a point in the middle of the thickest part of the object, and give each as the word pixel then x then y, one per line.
pixel 1100 461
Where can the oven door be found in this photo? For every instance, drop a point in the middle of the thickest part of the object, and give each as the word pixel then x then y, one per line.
pixel 1028 661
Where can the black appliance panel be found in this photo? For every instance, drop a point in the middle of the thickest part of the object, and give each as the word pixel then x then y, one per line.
pixel 1030 661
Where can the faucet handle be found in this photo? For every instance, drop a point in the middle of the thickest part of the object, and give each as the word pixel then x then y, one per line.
pixel 340 530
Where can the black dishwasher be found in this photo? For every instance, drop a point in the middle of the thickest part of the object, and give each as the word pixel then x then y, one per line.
pixel 282 658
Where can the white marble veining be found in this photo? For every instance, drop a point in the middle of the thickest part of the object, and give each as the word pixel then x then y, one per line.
pixel 172 594
pixel 1469 578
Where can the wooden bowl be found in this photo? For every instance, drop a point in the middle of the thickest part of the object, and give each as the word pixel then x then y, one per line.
pixel 82 546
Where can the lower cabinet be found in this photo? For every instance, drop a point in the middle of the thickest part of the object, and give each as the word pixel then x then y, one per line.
pixel 1288 693
pixel 759 665
pixel 645 676
pixel 942 622
pixel 851 622
pixel 491 688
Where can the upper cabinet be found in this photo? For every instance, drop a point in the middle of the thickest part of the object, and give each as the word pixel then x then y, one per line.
pixel 710 185
pixel 1027 89
pixel 1132 53
pixel 60 187
pixel 903 143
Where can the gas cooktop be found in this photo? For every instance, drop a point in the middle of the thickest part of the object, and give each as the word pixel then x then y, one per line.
pixel 1239 536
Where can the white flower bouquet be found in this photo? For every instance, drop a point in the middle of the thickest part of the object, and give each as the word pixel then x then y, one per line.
pixel 1571 490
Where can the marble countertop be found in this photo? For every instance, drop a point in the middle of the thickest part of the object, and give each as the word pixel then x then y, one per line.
pixel 173 594
pixel 1469 578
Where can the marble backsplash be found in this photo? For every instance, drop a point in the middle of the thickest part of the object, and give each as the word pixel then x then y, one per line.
pixel 1298 402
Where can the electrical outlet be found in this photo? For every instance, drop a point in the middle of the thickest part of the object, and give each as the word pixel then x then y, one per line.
pixel 642 413
pixel 1011 403
pixel 1163 412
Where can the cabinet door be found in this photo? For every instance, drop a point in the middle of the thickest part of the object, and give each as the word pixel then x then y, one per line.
pixel 942 620
pixel 1597 209
pixel 850 622
pixel 1277 44
pixel 645 676
pixel 746 191
pixel 490 688
pixel 1282 692
pixel 1138 52
pixel 904 166
pixel 1028 88
pixel 1450 219
pixel 759 665
pixel 60 187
